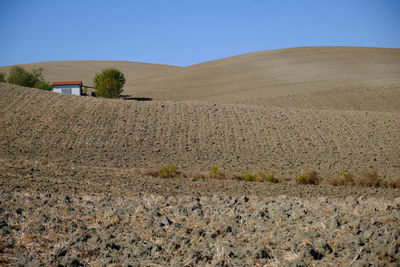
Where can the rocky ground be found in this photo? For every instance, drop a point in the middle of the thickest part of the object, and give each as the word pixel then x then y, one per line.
pixel 71 216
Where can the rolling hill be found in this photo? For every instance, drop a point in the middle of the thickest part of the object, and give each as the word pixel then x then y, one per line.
pixel 86 70
pixel 333 78
pixel 310 77
pixel 329 109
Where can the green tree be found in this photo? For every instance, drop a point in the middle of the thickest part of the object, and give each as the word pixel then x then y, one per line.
pixel 2 77
pixel 20 76
pixel 44 85
pixel 109 83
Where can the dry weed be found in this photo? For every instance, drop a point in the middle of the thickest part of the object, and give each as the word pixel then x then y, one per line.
pixel 308 178
pixel 369 179
pixel 216 173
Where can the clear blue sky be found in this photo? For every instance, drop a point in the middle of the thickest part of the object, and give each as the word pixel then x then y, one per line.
pixel 187 32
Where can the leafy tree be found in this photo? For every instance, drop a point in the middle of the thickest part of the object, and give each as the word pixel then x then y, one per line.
pixel 20 76
pixel 44 85
pixel 2 77
pixel 109 83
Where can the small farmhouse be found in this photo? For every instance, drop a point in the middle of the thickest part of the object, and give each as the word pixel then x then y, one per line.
pixel 68 87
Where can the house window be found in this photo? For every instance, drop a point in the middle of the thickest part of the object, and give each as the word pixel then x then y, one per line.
pixel 66 91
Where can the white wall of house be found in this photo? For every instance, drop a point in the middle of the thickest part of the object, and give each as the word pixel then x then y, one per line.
pixel 72 89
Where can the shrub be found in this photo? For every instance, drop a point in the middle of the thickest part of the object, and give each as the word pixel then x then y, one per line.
pixel 247 176
pixel 271 179
pixel 307 178
pixel 44 85
pixel 260 176
pixel 216 173
pixel 20 76
pixel 371 179
pixel 168 171
pixel 109 83
pixel 2 77
pixel 368 179
pixel 343 179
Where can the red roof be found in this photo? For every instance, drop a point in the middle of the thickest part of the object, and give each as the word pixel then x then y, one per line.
pixel 68 83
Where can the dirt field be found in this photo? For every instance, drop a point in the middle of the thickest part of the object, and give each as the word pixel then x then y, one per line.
pixel 311 77
pixel 72 216
pixel 73 190
pixel 45 126
pixel 334 78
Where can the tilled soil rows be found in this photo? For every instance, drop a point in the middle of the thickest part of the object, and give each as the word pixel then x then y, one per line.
pixel 73 193
pixel 44 126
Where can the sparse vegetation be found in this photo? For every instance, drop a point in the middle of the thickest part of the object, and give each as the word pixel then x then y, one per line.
pixel 168 171
pixel 44 85
pixel 270 178
pixel 261 176
pixel 20 76
pixel 2 77
pixel 369 179
pixel 109 83
pixel 216 173
pixel 247 176
pixel 308 178
pixel 342 179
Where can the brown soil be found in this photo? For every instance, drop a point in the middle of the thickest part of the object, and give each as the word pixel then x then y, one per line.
pixel 73 189
pixel 333 78
pixel 337 78
pixel 73 215
pixel 50 127
pixel 34 176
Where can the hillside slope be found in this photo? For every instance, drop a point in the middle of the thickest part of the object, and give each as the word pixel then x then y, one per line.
pixel 86 70
pixel 351 78
pixel 45 126
pixel 330 78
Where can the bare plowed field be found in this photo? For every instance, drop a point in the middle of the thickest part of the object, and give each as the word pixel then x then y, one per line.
pixel 194 136
pixel 308 77
pixel 77 185
pixel 333 78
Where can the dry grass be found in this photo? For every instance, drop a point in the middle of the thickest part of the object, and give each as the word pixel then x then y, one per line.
pixel 368 179
pixel 308 178
pixel 270 178
pixel 168 171
pixel 245 175
pixel 342 179
pixel 217 173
